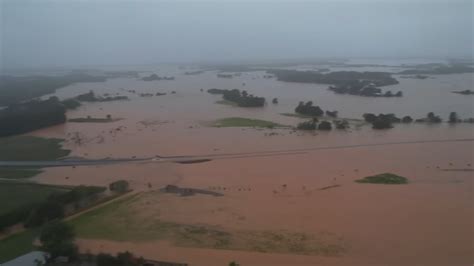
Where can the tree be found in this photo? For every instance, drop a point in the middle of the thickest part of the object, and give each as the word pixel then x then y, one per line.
pixel 382 124
pixel 332 114
pixel 233 263
pixel 453 117
pixel 122 259
pixel 307 125
pixel 432 118
pixel 308 109
pixel 120 186
pixel 369 117
pixel 325 125
pixel 275 101
pixel 45 212
pixel 109 117
pixel 407 119
pixel 57 238
pixel 341 124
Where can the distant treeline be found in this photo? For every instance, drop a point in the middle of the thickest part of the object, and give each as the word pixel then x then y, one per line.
pixel 440 70
pixel 28 116
pixel 156 77
pixel 464 92
pixel 25 117
pixel 362 89
pixel 197 72
pixel 241 98
pixel 54 207
pixel 91 97
pixel 14 89
pixel 308 109
pixel 384 121
pixel 335 78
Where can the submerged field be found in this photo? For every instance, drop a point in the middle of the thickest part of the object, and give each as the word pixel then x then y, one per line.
pixel 276 206
pixel 121 221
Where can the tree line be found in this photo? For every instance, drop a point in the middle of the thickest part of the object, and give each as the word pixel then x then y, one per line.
pixel 335 78
pixel 14 89
pixel 53 207
pixel 26 117
pixel 241 98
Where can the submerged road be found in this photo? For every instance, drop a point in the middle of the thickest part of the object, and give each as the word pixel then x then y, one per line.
pixel 188 159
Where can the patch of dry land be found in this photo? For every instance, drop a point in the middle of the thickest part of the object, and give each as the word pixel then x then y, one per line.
pixel 302 208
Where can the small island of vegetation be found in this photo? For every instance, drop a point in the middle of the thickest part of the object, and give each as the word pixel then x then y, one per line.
pixel 344 82
pixel 439 69
pixel 385 178
pixel 244 122
pixel 335 78
pixel 153 77
pixel 240 98
pixel 91 97
pixel 464 92
pixel 360 88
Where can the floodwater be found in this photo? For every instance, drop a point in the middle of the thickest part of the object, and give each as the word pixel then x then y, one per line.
pixel 427 222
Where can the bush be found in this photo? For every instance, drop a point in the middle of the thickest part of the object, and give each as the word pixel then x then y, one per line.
pixel 453 117
pixel 341 124
pixel 57 238
pixel 325 125
pixel 307 125
pixel 120 186
pixel 386 178
pixel 308 109
pixel 407 119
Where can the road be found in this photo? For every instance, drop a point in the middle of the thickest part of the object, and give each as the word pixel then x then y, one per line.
pixel 187 159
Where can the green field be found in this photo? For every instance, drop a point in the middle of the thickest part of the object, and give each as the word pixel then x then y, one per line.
pixel 9 173
pixel 17 194
pixel 244 122
pixel 126 220
pixel 26 148
pixel 386 178
pixel 16 245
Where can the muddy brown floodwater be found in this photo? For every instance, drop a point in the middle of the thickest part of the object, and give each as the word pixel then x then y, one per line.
pixel 427 222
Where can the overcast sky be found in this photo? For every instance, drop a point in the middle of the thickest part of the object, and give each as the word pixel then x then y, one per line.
pixel 81 32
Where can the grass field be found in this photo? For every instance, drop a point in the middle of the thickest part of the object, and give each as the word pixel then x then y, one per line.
pixel 16 194
pixel 126 220
pixel 16 245
pixel 9 173
pixel 244 122
pixel 386 178
pixel 25 148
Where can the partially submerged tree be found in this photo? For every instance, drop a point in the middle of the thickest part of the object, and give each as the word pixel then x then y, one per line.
pixel 453 117
pixel 57 238
pixel 325 125
pixel 308 109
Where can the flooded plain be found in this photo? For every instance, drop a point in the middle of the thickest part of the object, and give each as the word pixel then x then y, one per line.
pixel 427 222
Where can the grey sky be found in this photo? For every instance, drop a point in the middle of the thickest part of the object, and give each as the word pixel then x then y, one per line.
pixel 74 33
